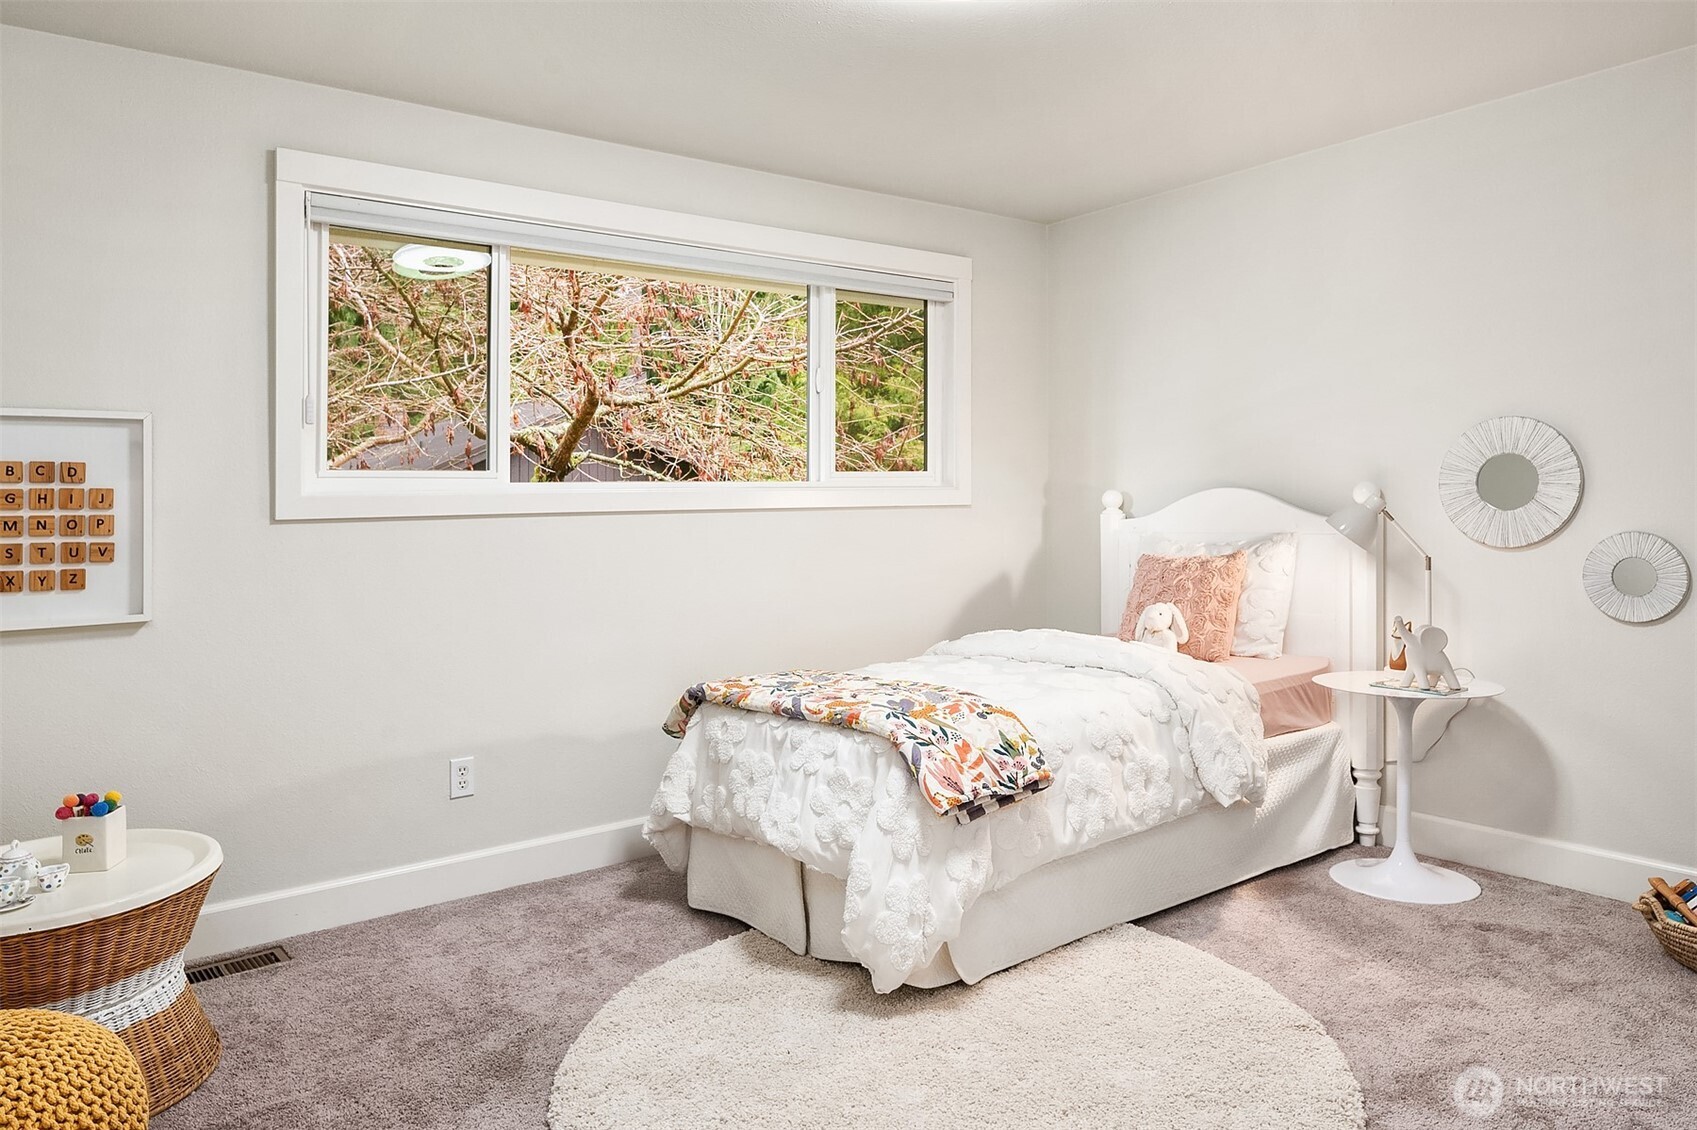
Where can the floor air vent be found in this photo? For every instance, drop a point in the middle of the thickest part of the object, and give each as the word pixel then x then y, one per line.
pixel 240 963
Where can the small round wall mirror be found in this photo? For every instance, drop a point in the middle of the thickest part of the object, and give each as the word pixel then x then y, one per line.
pixel 1636 577
pixel 1510 481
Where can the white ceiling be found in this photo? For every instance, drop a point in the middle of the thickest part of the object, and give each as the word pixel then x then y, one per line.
pixel 1038 110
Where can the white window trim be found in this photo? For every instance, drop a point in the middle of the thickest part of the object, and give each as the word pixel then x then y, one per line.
pixel 302 492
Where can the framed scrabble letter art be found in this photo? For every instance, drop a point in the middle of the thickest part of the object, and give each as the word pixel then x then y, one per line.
pixel 76 516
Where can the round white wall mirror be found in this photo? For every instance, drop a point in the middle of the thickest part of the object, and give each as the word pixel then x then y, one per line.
pixel 1510 481
pixel 1636 577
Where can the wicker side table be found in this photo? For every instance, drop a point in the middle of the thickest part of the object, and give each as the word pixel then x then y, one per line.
pixel 109 946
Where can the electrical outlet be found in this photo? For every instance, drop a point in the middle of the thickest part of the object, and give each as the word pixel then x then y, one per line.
pixel 462 777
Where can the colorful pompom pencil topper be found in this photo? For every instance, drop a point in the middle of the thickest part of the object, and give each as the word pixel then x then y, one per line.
pixel 88 804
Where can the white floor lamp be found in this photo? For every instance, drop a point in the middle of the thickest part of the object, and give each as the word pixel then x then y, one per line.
pixel 1358 521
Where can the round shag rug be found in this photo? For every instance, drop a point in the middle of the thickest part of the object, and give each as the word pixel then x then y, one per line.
pixel 1123 1028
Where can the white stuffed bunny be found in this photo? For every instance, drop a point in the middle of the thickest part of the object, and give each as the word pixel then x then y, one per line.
pixel 1162 625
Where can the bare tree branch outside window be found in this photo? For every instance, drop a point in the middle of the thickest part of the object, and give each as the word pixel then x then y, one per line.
pixel 408 362
pixel 880 423
pixel 618 374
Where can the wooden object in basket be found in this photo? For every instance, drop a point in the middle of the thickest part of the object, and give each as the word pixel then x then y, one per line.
pixel 1677 939
pixel 1672 897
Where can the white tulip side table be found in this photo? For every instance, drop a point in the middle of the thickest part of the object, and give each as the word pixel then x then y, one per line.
pixel 1401 877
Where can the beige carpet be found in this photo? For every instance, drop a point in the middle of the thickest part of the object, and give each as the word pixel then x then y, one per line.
pixel 455 1017
pixel 1122 1028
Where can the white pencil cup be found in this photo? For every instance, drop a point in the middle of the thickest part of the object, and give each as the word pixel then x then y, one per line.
pixel 95 843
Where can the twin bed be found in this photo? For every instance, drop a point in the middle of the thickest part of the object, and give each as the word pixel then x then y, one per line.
pixel 1172 778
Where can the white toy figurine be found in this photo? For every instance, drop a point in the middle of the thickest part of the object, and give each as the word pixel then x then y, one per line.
pixel 1162 625
pixel 1423 651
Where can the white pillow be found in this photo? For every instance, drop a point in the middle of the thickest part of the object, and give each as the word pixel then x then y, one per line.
pixel 1264 608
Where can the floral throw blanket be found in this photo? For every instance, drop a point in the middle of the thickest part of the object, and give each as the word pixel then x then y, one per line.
pixel 969 757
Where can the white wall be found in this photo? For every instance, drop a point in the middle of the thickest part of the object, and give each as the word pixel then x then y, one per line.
pixel 303 685
pixel 1346 314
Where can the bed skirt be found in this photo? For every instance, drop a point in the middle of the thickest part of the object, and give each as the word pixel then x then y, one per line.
pixel 1309 808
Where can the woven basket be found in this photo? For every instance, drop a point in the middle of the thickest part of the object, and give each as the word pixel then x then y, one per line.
pixel 177 1047
pixel 1677 938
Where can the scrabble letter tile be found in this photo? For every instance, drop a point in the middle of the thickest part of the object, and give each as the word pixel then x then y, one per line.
pixel 11 527
pixel 11 580
pixel 70 498
pixel 13 554
pixel 42 552
pixel 11 470
pixel 73 472
pixel 41 525
pixel 102 552
pixel 71 552
pixel 100 498
pixel 100 526
pixel 41 472
pixel 11 498
pixel 42 580
pixel 70 525
pixel 73 580
pixel 41 498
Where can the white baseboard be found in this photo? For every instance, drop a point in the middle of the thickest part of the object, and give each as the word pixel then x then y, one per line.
pixel 234 924
pixel 1594 870
pixel 240 923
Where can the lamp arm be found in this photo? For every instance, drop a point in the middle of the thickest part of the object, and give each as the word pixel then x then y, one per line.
pixel 1425 557
pixel 1408 537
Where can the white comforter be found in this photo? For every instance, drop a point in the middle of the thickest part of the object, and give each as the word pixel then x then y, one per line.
pixel 1135 735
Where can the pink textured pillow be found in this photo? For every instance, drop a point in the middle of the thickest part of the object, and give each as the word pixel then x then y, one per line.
pixel 1206 590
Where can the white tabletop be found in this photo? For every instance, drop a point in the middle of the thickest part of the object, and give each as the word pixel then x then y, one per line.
pixel 1361 682
pixel 161 862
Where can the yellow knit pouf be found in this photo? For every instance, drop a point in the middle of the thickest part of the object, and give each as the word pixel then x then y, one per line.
pixel 61 1072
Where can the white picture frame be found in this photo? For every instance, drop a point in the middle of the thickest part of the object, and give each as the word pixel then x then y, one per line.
pixel 118 449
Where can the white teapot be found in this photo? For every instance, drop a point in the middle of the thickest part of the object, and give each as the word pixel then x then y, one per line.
pixel 18 862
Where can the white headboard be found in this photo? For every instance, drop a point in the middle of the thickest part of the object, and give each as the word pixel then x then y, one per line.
pixel 1336 609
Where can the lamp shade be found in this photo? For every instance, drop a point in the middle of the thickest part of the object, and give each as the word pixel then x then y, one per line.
pixel 1358 519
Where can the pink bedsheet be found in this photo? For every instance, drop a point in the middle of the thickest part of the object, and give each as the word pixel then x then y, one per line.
pixel 1290 699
